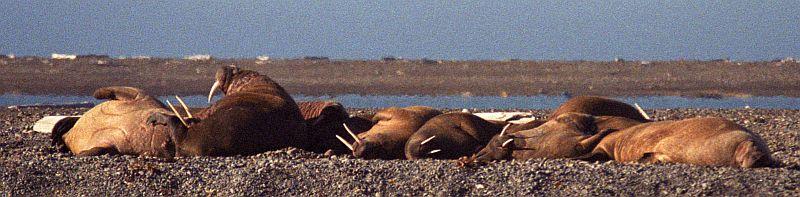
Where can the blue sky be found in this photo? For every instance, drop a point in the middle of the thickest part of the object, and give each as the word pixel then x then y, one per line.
pixel 564 30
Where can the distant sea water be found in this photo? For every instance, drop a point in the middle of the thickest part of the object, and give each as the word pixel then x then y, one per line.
pixel 459 102
pixel 461 30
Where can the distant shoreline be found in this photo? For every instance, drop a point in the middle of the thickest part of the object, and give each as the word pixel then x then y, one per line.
pixel 316 76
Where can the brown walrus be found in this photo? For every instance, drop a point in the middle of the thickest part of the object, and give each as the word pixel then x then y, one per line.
pixel 393 126
pixel 451 135
pixel 255 115
pixel 566 136
pixel 325 121
pixel 709 141
pixel 118 126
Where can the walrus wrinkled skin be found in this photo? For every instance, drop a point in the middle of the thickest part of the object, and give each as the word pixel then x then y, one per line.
pixel 393 126
pixel 325 120
pixel 118 126
pixel 450 136
pixel 598 106
pixel 708 141
pixel 569 135
pixel 255 115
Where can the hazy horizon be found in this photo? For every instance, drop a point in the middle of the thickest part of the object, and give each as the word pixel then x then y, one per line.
pixel 551 30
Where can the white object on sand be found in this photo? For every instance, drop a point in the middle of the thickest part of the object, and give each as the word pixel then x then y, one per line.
pixel 46 124
pixel 513 117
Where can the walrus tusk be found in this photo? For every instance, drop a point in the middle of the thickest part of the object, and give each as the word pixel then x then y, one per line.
pixel 345 142
pixel 641 111
pixel 504 129
pixel 184 106
pixel 211 93
pixel 427 140
pixel 177 114
pixel 435 151
pixel 506 142
pixel 351 133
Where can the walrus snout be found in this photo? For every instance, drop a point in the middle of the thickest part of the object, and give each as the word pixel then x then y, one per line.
pixel 499 148
pixel 222 80
pixel 366 149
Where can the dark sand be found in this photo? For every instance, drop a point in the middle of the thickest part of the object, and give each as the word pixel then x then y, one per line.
pixel 29 166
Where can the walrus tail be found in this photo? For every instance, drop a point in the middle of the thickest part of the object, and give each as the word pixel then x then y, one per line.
pixel 118 93
pixel 748 155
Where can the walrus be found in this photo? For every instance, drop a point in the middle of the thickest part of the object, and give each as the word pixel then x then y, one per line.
pixel 708 141
pixel 599 106
pixel 566 136
pixel 255 115
pixel 451 135
pixel 117 126
pixel 387 137
pixel 325 121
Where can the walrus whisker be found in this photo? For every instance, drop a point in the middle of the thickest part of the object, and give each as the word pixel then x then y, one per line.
pixel 435 151
pixel 351 133
pixel 427 140
pixel 507 142
pixel 211 93
pixel 177 113
pixel 349 146
pixel 186 108
pixel 504 129
pixel 641 111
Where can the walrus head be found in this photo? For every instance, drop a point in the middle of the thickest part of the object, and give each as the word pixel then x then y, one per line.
pixel 177 125
pixel 223 79
pixel 172 122
pixel 178 131
pixel 368 149
pixel 499 148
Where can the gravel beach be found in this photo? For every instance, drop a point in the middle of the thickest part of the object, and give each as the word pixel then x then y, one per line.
pixel 30 166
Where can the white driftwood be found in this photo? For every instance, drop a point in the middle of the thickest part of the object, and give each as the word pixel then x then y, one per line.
pixel 505 116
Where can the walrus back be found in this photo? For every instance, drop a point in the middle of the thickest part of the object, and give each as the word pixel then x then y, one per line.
pixel 598 106
pixel 314 109
pixel 245 123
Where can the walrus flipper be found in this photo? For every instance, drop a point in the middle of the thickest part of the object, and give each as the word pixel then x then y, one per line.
pixel 118 93
pixel 98 151
pixel 59 129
